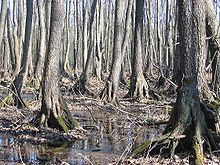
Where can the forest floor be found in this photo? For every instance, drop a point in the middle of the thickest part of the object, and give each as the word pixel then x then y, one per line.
pixel 124 127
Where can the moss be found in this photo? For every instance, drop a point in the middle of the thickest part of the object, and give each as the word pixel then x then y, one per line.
pixel 62 124
pixel 9 100
pixel 75 122
pixel 33 83
pixel 142 147
pixel 1 104
pixel 169 109
pixel 214 105
pixel 199 157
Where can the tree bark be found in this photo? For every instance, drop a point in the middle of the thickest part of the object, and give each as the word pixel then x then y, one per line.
pixel 2 19
pixel 189 117
pixel 139 87
pixel 42 43
pixel 109 93
pixel 21 77
pixel 54 111
pixel 213 35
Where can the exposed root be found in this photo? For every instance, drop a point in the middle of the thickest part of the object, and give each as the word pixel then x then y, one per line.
pixel 190 128
pixel 63 121
pixel 81 88
pixel 108 94
pixel 138 89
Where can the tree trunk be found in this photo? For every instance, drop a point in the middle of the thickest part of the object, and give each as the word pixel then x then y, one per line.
pixel 213 34
pixel 2 19
pixel 6 56
pixel 109 93
pixel 85 32
pixel 54 111
pixel 66 66
pixel 139 87
pixel 81 85
pixel 189 116
pixel 10 41
pixel 16 40
pixel 21 77
pixel 42 43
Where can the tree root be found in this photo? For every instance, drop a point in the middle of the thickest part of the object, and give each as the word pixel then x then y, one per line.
pixel 138 89
pixel 192 134
pixel 81 88
pixel 63 121
pixel 108 94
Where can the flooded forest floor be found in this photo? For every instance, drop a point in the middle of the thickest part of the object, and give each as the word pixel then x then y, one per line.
pixel 108 134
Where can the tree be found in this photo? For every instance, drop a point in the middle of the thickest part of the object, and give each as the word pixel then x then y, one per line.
pixel 189 117
pixel 54 112
pixel 2 19
pixel 20 79
pixel 212 32
pixel 42 42
pixel 81 85
pixel 139 87
pixel 109 93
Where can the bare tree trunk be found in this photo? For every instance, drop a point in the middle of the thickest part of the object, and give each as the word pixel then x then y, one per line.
pixel 85 32
pixel 213 33
pixel 6 56
pixel 2 19
pixel 150 52
pixel 16 40
pixel 159 39
pixel 10 41
pixel 54 111
pixel 99 41
pixel 139 87
pixel 81 85
pixel 109 93
pixel 66 67
pixel 42 43
pixel 189 116
pixel 21 77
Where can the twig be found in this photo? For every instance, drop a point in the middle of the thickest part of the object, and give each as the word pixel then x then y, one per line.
pixel 79 154
pixel 20 156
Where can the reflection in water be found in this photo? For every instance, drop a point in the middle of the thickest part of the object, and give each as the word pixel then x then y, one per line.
pixel 113 136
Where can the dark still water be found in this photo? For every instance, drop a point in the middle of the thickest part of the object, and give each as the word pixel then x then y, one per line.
pixel 110 137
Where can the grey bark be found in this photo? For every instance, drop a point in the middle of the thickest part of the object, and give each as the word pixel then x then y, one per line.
pixel 110 91
pixel 54 111
pixel 139 87
pixel 2 19
pixel 21 77
pixel 42 41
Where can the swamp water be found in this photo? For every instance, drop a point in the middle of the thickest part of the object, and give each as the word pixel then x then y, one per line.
pixel 110 136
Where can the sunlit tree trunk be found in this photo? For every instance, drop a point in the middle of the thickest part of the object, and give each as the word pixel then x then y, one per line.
pixel 16 39
pixel 54 112
pixel 21 77
pixel 213 34
pixel 82 84
pixel 189 116
pixel 42 41
pixel 110 91
pixel 2 19
pixel 68 40
pixel 139 87
pixel 85 32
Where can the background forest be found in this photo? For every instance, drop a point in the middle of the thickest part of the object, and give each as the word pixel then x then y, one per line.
pixel 122 77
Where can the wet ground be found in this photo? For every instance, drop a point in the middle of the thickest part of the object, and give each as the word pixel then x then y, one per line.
pixel 111 133
pixel 110 137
